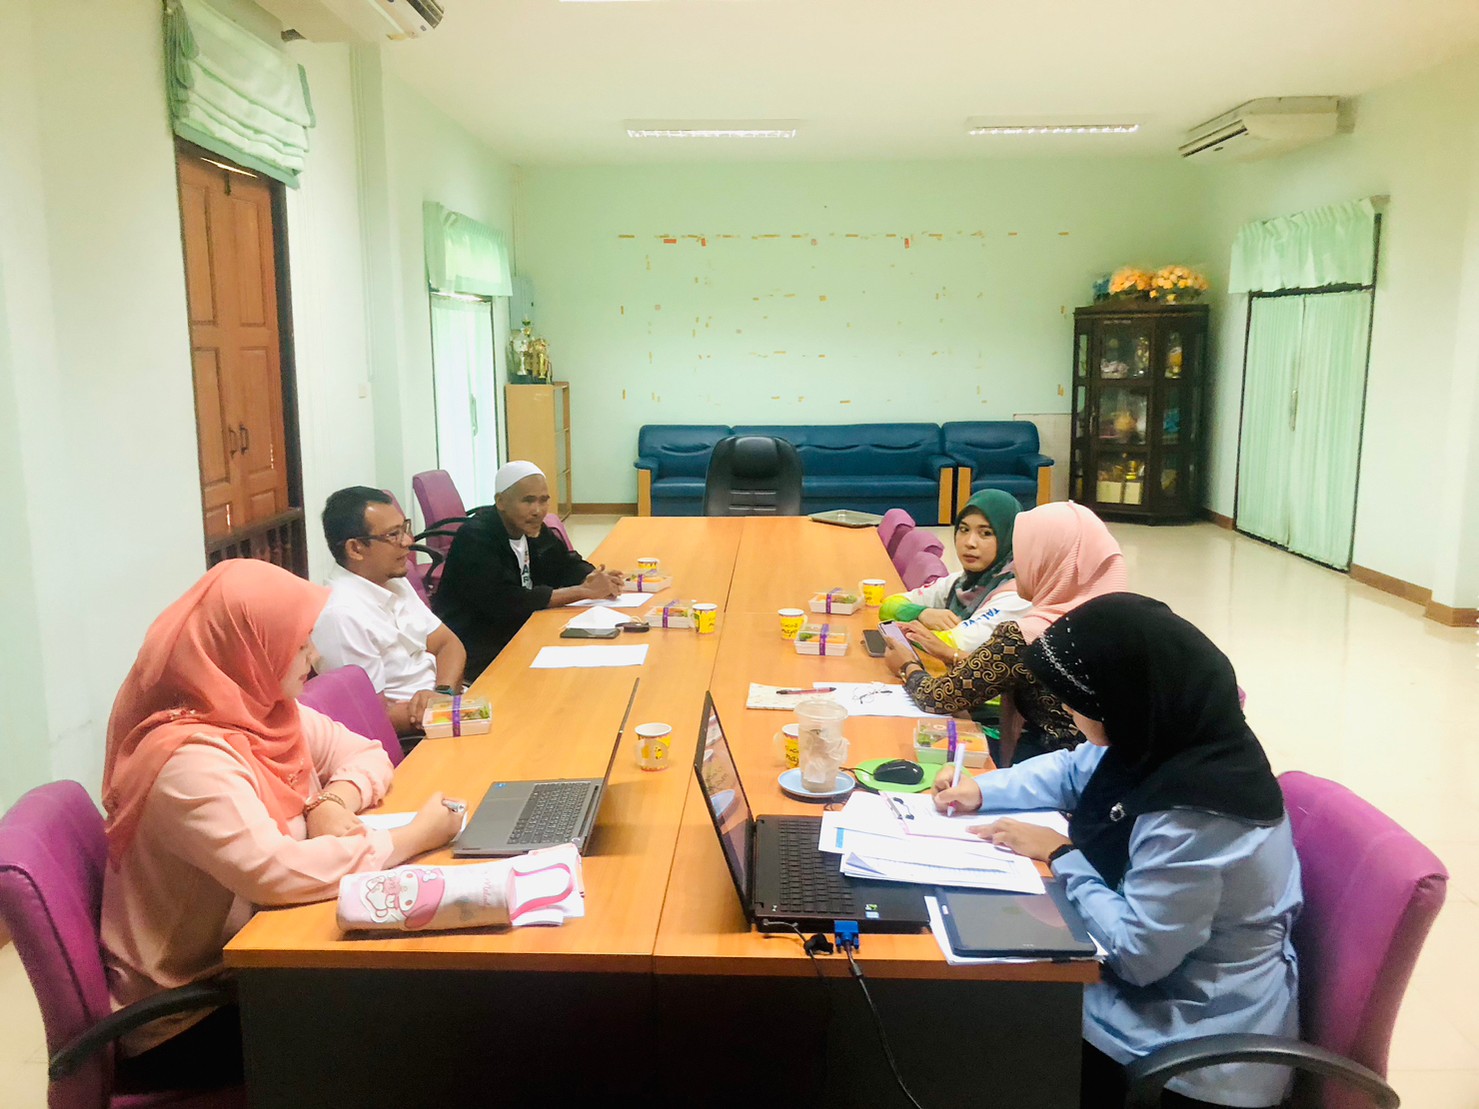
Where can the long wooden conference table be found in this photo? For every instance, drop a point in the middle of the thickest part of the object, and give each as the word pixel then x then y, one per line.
pixel 662 991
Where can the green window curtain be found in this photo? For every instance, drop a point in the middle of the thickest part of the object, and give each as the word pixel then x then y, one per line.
pixel 463 255
pixel 1308 250
pixel 234 94
pixel 1268 419
pixel 1327 443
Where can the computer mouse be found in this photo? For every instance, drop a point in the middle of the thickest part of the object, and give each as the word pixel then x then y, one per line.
pixel 899 772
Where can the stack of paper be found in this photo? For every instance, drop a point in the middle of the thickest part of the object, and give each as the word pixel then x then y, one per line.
pixel 625 600
pixel 568 658
pixel 900 838
pixel 875 699
pixel 599 618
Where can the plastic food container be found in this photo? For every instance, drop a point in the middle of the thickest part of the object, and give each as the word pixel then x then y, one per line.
pixel 821 639
pixel 449 716
pixel 932 741
pixel 641 581
pixel 837 602
pixel 674 614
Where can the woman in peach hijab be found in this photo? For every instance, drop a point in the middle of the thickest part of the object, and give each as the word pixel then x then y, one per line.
pixel 1064 555
pixel 224 794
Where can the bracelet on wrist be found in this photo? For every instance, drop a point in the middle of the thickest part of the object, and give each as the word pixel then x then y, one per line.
pixel 1058 852
pixel 321 798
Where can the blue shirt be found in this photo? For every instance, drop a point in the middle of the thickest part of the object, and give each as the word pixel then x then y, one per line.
pixel 1197 934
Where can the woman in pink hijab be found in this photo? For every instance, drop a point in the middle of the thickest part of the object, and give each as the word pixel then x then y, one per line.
pixel 1064 556
pixel 224 794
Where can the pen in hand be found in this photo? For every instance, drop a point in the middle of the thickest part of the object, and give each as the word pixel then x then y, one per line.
pixel 955 778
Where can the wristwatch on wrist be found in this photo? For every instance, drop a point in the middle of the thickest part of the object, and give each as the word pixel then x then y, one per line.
pixel 320 799
pixel 1059 851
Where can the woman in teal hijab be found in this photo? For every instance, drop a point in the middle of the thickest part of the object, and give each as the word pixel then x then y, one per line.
pixel 949 606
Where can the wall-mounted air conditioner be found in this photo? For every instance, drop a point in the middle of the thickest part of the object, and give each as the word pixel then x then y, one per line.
pixel 1262 128
pixel 355 20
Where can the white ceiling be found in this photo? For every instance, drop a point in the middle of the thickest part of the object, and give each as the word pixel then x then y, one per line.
pixel 551 82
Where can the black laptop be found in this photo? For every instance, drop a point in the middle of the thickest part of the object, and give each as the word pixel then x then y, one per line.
pixel 782 877
pixel 515 817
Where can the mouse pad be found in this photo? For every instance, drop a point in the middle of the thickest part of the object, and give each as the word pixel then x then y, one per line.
pixel 864 773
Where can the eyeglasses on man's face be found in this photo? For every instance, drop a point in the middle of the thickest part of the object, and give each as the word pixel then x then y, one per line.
pixel 403 534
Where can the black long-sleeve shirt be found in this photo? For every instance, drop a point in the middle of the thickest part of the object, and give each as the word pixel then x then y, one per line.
pixel 481 595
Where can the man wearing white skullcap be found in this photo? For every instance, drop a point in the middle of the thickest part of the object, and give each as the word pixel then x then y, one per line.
pixel 505 564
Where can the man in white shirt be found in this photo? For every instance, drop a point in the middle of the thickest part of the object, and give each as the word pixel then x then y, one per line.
pixel 374 618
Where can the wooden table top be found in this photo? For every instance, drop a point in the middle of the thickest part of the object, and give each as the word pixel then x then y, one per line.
pixel 658 893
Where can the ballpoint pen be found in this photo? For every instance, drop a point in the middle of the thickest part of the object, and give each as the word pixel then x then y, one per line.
pixel 955 778
pixel 817 689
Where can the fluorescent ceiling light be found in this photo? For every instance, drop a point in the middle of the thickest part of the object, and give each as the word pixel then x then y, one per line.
pixel 711 128
pixel 975 128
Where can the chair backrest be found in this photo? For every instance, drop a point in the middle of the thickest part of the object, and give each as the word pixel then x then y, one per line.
pixel 753 475
pixel 1371 892
pixel 990 446
pixel 916 542
pixel 347 695
pixel 557 525
pixel 52 854
pixel 922 569
pixel 895 523
pixel 439 500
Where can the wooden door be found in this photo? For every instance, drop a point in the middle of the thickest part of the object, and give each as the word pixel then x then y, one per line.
pixel 236 352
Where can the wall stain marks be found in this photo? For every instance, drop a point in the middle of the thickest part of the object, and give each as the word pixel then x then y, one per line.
pixel 908 242
pixel 649 263
pixel 1060 391
pixel 1012 234
pixel 623 394
pixel 1063 234
pixel 670 242
pixel 844 402
pixel 626 236
pixel 822 298
pixel 621 309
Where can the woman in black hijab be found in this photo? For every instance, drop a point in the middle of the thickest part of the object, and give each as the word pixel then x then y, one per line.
pixel 1179 854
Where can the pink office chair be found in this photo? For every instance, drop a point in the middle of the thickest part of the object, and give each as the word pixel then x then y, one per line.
pixel 922 569
pixel 347 696
pixel 441 507
pixel 1371 893
pixel 912 543
pixel 557 525
pixel 896 524
pixel 52 854
pixel 415 571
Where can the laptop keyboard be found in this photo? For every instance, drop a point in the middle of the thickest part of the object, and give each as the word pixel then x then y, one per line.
pixel 552 812
pixel 810 882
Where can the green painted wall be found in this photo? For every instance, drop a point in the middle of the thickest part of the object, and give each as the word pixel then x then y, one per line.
pixel 827 293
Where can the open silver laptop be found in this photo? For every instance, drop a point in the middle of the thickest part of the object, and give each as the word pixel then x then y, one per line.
pixel 515 817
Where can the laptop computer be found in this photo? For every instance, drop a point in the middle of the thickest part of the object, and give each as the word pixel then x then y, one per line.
pixel 782 877
pixel 516 817
pixel 848 518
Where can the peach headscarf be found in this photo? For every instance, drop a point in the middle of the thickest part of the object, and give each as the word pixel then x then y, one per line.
pixel 1064 555
pixel 213 663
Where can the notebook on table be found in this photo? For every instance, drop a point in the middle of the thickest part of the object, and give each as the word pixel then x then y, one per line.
pixel 515 817
pixel 781 876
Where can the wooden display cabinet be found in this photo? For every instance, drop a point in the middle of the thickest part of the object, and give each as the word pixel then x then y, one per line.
pixel 539 431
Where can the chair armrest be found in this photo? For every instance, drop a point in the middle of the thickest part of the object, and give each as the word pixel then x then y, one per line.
pixel 1146 1076
pixel 646 464
pixel 939 463
pixel 962 460
pixel 1032 463
pixel 184 999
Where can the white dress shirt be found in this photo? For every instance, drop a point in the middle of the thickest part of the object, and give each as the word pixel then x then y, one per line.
pixel 383 630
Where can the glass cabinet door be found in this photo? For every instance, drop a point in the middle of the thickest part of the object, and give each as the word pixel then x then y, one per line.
pixel 1124 352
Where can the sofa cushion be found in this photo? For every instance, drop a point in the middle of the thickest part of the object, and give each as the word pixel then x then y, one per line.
pixel 678 487
pixel 991 446
pixel 870 486
pixel 858 449
pixel 680 450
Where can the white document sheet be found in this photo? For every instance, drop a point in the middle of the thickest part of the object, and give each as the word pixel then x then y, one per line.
pixel 598 618
pixel 885 814
pixel 771 697
pixel 387 821
pixel 876 699
pixel 935 863
pixel 626 600
pixel 571 658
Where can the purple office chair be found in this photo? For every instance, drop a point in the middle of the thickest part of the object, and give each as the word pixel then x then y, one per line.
pixel 1371 893
pixel 912 543
pixel 896 524
pixel 557 525
pixel 442 510
pixel 347 696
pixel 922 569
pixel 52 854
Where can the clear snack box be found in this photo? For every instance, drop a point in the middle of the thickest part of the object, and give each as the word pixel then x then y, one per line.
pixel 821 639
pixel 474 715
pixel 673 614
pixel 837 602
pixel 654 581
pixel 932 742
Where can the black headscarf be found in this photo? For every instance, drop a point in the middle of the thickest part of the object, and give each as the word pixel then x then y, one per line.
pixel 1169 704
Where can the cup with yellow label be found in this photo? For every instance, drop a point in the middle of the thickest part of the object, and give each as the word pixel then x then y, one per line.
pixel 787 745
pixel 792 620
pixel 652 746
pixel 705 618
pixel 648 564
pixel 873 591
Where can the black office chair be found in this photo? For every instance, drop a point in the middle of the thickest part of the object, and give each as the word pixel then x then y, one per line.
pixel 753 475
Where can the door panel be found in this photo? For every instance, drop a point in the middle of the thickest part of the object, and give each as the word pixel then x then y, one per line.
pixel 200 291
pixel 246 210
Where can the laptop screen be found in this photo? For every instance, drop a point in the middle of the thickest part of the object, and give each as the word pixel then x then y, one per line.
pixel 728 807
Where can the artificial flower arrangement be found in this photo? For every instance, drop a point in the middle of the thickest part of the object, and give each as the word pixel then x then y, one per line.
pixel 1173 283
pixel 1128 281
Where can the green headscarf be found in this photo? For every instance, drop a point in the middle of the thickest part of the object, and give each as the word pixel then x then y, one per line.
pixel 1000 509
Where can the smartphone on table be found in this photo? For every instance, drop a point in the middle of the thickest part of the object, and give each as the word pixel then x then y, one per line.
pixel 873 642
pixel 590 633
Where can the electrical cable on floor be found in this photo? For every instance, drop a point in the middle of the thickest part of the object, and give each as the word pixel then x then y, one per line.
pixel 888 1054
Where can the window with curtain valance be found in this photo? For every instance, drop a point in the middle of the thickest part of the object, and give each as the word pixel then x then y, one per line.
pixel 234 94
pixel 1335 245
pixel 463 255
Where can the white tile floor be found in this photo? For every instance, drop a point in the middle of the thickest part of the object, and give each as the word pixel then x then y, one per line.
pixel 1342 681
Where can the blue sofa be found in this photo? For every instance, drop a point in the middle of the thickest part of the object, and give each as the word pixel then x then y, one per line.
pixel 998 454
pixel 868 467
